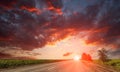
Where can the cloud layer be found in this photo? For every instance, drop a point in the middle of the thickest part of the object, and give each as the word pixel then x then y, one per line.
pixel 36 23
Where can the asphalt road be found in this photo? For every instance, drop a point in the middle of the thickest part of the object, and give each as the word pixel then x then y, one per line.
pixel 65 66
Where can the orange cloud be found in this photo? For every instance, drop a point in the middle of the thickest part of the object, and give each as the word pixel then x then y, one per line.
pixel 104 29
pixel 51 7
pixel 32 9
pixel 67 54
pixel 95 35
pixel 58 35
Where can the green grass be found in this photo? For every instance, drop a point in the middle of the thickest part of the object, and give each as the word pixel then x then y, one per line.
pixel 114 63
pixel 16 63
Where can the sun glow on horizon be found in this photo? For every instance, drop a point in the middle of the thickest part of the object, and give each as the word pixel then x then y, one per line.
pixel 76 58
pixel 72 44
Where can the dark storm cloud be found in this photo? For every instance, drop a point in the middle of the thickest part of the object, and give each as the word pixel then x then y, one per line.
pixel 110 19
pixel 114 53
pixel 56 3
pixel 34 23
pixel 4 55
pixel 7 3
pixel 22 26
pixel 9 56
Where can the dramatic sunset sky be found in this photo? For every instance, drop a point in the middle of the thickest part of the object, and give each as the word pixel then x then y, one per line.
pixel 59 29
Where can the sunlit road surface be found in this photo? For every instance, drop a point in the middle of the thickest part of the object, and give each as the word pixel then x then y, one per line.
pixel 64 66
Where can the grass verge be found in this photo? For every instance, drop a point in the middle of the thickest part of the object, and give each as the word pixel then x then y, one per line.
pixel 114 63
pixel 15 63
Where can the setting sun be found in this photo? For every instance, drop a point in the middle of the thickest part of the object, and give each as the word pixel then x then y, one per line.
pixel 76 58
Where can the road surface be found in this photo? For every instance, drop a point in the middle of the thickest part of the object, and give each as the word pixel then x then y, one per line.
pixel 65 66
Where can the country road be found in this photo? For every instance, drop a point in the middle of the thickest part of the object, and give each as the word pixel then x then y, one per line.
pixel 65 66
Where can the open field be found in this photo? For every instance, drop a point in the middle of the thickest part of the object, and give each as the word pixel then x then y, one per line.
pixel 14 63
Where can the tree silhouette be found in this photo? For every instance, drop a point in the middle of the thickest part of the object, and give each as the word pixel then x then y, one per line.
pixel 102 55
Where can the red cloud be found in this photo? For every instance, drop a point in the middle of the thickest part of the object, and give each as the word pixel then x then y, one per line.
pixel 32 9
pixel 55 5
